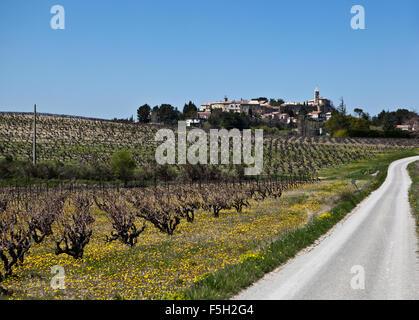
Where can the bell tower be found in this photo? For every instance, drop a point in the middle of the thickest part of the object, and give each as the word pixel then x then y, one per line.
pixel 317 98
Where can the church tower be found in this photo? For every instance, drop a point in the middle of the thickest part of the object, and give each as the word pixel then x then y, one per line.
pixel 317 98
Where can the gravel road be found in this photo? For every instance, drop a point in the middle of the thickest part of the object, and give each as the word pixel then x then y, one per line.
pixel 371 254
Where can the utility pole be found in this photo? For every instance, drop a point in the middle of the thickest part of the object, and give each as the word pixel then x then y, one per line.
pixel 34 134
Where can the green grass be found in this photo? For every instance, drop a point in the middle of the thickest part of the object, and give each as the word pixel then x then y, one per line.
pixel 413 169
pixel 364 169
pixel 229 281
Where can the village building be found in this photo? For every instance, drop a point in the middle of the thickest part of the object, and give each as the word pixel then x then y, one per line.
pixel 246 106
pixel 193 122
pixel 203 115
pixel 316 115
pixel 412 125
pixel 318 101
pixel 404 127
pixel 318 106
pixel 319 115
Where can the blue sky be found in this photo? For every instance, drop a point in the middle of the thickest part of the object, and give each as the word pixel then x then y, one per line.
pixel 114 56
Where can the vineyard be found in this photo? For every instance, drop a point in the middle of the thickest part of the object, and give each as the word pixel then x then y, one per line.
pixel 65 220
pixel 153 241
pixel 71 139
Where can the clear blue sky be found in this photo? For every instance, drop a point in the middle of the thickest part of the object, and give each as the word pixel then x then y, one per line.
pixel 114 56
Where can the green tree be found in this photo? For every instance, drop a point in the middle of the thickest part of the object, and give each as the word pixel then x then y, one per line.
pixel 215 118
pixel 366 116
pixel 341 109
pixel 168 114
pixel 277 102
pixel 339 120
pixel 389 119
pixel 359 112
pixel 340 133
pixel 123 165
pixel 189 110
pixel 143 113
pixel 260 99
pixel 155 114
pixel 358 123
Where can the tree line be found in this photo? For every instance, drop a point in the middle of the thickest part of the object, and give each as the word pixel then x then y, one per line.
pixel 166 113
pixel 341 124
pixel 169 115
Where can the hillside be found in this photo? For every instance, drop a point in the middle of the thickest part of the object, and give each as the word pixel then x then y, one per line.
pixel 73 139
pixel 89 141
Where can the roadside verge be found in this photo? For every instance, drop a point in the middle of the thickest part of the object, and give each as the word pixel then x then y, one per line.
pixel 413 170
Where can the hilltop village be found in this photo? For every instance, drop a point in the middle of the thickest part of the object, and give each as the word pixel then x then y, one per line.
pixel 319 109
